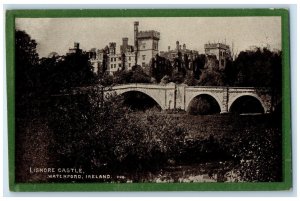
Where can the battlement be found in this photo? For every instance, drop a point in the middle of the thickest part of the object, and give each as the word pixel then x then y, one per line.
pixel 148 34
pixel 216 46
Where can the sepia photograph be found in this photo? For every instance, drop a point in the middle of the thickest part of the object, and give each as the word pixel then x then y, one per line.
pixel 148 99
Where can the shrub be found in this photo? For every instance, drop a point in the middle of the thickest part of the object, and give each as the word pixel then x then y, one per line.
pixel 165 80
pixel 259 156
pixel 92 134
pixel 178 77
pixel 190 80
pixel 106 80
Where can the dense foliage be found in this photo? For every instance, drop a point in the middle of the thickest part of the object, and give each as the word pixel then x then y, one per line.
pixel 93 135
pixel 106 136
pixel 72 70
pixel 258 68
pixel 135 75
pixel 37 78
pixel 27 78
pixel 159 67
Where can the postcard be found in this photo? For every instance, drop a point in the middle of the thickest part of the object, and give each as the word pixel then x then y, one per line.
pixel 149 100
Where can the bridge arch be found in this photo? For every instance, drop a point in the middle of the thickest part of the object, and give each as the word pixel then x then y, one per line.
pixel 255 97
pixel 148 94
pixel 212 99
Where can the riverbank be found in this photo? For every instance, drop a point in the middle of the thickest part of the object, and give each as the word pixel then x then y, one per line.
pixel 207 149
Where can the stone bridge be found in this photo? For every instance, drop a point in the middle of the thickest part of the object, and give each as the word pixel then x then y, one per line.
pixel 172 96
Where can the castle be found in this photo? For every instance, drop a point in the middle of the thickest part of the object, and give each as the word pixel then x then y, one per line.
pixel 144 49
pixel 182 53
pixel 219 52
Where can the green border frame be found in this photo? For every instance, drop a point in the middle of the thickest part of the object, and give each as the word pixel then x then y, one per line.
pixel 286 184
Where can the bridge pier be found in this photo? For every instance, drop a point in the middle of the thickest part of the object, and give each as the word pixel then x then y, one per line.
pixel 224 108
pixel 179 99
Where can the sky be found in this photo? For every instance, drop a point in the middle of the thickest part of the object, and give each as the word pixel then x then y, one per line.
pixel 59 34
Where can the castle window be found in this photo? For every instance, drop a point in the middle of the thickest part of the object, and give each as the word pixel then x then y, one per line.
pixel 129 64
pixel 143 64
pixel 115 59
pixel 129 58
pixel 111 59
pixel 114 65
pixel 120 65
pixel 144 57
pixel 111 65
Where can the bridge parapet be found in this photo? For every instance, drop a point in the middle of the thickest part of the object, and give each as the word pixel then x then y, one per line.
pixel 171 96
pixel 145 86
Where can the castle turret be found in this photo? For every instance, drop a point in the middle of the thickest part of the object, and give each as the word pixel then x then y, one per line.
pixel 124 45
pixel 112 48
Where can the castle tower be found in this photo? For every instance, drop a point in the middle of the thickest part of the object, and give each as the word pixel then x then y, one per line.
pixel 112 48
pixel 147 47
pixel 220 51
pixel 124 45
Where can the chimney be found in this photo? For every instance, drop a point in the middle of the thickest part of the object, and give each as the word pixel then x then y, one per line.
pixel 76 45
pixel 125 42
pixel 177 45
pixel 124 45
pixel 169 48
pixel 136 31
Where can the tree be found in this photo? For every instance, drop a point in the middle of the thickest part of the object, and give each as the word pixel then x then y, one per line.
pixel 211 77
pixel 190 80
pixel 47 67
pixel 260 68
pixel 74 71
pixel 108 137
pixel 135 75
pixel 179 65
pixel 159 67
pixel 27 74
pixel 139 76
pixel 230 73
pixel 198 64
pixel 186 61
